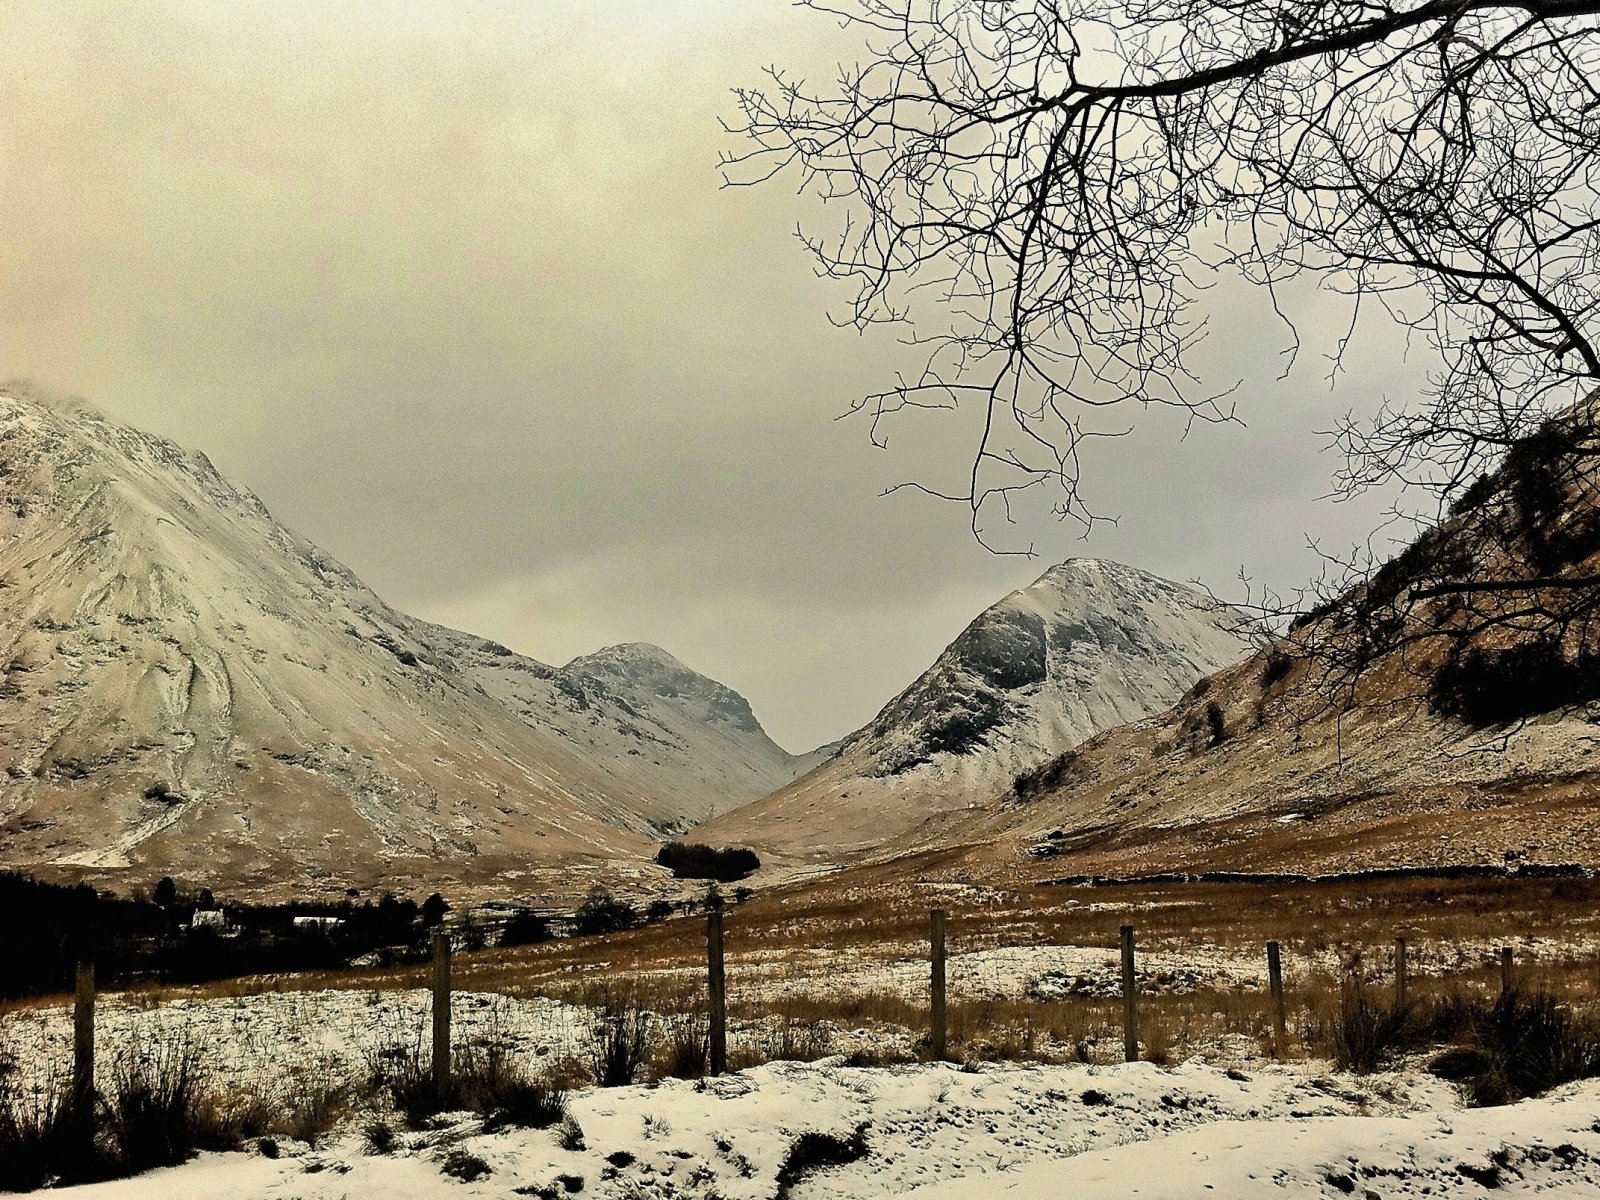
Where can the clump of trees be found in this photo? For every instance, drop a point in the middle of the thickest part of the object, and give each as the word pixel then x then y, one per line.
pixel 525 928
pixel 601 912
pixel 139 937
pixel 693 860
pixel 1496 685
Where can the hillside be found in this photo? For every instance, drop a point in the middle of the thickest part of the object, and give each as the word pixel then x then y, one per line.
pixel 1088 646
pixel 1445 713
pixel 188 687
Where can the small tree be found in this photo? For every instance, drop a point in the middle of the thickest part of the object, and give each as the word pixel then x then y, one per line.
pixel 434 909
pixel 601 912
pixel 524 929
pixel 166 893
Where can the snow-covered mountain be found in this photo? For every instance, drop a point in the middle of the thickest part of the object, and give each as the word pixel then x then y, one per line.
pixel 1088 646
pixel 188 687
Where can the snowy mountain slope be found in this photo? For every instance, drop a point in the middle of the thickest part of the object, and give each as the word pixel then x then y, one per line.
pixel 186 686
pixel 1088 646
pixel 678 747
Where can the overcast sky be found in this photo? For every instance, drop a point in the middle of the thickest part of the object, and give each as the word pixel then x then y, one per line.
pixel 454 288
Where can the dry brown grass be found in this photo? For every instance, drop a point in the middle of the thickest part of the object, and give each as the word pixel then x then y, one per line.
pixel 796 933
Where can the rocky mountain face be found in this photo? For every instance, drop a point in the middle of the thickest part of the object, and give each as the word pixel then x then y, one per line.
pixel 1088 646
pixel 188 687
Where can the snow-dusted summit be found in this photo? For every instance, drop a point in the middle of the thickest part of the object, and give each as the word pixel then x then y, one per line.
pixel 188 687
pixel 1089 645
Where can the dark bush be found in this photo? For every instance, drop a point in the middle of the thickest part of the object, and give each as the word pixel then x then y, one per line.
pixel 688 1046
pixel 34 1132
pixel 525 928
pixel 484 1078
pixel 1530 1043
pixel 601 912
pixel 379 1137
pixel 618 1044
pixel 659 910
pixel 155 1107
pixel 1366 1033
pixel 1484 686
pixel 1276 669
pixel 1053 775
pixel 464 1165
pixel 691 860
pixel 1475 496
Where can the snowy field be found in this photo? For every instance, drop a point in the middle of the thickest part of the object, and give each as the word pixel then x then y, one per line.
pixel 1224 1123
pixel 938 1132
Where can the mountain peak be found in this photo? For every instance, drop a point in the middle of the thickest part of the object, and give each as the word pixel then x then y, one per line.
pixel 645 669
pixel 1089 645
pixel 630 652
pixel 193 689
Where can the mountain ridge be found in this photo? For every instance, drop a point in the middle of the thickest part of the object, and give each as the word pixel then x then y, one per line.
pixel 179 668
pixel 1088 645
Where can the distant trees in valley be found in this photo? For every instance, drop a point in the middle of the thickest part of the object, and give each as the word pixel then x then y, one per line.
pixel 692 860
pixel 170 934
pixel 158 936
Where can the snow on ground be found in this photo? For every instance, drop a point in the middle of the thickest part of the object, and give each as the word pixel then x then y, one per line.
pixel 1046 971
pixel 934 1132
pixel 1001 973
pixel 938 1132
pixel 245 1040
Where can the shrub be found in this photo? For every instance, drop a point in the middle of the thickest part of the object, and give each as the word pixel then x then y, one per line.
pixel 1365 1033
pixel 464 1165
pixel 618 1041
pixel 484 1078
pixel 692 860
pixel 379 1137
pixel 34 1130
pixel 601 912
pixel 1276 668
pixel 155 1106
pixel 1517 1046
pixel 570 1136
pixel 313 1106
pixel 687 1046
pixel 404 1073
pixel 1055 774
pixel 525 928
pixel 812 1151
pixel 792 1040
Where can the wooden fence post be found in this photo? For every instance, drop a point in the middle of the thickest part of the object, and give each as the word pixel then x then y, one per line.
pixel 1505 969
pixel 441 1015
pixel 1280 1018
pixel 1130 1000
pixel 717 986
pixel 940 1031
pixel 1400 972
pixel 83 1054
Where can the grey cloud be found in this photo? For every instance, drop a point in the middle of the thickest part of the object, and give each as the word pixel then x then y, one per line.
pixel 456 290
